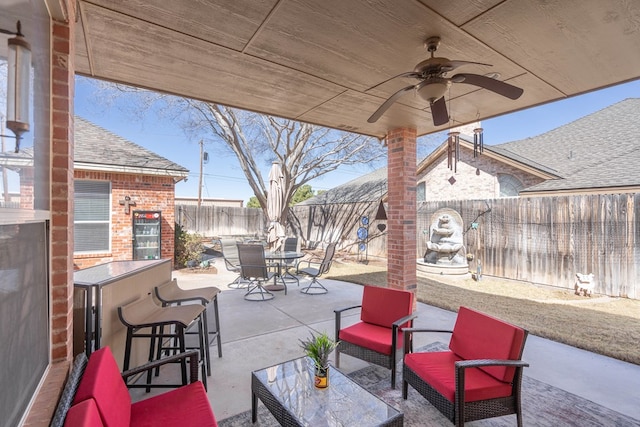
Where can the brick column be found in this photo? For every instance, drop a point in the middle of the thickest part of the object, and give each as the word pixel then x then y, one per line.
pixel 401 237
pixel 62 91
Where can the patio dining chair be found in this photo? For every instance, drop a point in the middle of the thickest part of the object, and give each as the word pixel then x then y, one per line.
pixel 229 251
pixel 315 268
pixel 291 245
pixel 254 270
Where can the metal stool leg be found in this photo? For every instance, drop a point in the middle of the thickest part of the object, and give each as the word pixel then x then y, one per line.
pixel 204 341
pixel 203 345
pixel 217 320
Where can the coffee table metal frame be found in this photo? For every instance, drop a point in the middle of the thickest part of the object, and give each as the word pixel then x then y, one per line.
pixel 287 391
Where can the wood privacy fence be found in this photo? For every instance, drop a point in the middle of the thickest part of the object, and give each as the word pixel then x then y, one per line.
pixel 216 221
pixel 545 240
pixel 548 240
pixel 318 224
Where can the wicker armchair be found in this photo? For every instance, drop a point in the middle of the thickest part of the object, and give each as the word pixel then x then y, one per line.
pixel 377 337
pixel 479 377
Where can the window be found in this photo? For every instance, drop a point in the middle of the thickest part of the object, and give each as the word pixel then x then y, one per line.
pixel 421 192
pixel 92 216
pixel 510 186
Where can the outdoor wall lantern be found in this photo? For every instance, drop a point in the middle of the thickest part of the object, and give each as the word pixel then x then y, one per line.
pixel 18 81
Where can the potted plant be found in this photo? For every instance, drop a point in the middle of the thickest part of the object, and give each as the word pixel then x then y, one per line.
pixel 318 348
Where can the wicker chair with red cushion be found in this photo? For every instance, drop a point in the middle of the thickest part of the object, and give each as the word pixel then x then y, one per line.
pixel 378 336
pixel 480 376
pixel 102 398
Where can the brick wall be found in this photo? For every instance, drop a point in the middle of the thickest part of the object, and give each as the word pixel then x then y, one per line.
pixel 149 192
pixel 26 188
pixel 475 178
pixel 401 237
pixel 62 89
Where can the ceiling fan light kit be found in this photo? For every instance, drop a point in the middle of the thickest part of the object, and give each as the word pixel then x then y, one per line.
pixel 433 84
pixel 435 90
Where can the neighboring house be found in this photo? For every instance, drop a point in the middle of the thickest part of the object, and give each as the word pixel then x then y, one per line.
pixel 598 153
pixel 113 177
pixel 108 169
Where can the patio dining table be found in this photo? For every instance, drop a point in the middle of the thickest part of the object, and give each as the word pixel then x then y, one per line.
pixel 278 257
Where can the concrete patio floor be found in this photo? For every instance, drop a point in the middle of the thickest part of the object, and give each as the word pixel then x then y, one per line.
pixel 260 334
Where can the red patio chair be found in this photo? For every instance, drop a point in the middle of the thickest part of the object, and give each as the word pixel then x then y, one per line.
pixel 378 336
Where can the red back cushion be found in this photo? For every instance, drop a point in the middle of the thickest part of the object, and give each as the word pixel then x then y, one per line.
pixel 102 382
pixel 479 336
pixel 83 414
pixel 383 306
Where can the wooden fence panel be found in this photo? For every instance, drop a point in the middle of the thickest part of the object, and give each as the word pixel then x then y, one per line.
pixel 545 240
pixel 214 221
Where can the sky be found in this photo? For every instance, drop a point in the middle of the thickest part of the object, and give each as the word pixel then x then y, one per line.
pixel 223 179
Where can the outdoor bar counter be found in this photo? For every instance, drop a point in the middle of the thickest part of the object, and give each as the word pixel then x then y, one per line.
pixel 99 291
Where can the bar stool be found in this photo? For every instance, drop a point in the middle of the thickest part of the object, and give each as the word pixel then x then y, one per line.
pixel 145 313
pixel 170 293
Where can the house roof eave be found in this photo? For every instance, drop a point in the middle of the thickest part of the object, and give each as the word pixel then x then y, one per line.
pixel 95 167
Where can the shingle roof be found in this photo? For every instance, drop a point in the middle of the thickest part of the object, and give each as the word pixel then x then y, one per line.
pixel 367 188
pixel 98 146
pixel 599 150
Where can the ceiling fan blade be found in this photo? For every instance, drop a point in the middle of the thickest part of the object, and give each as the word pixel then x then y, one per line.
pixel 497 86
pixel 386 104
pixel 439 112
pixel 407 74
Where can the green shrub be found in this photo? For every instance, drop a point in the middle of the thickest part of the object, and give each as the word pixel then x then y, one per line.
pixel 188 247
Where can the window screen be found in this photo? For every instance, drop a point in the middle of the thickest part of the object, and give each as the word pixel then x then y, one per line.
pixel 92 216
pixel 24 322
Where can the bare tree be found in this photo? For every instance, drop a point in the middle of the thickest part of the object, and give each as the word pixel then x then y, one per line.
pixel 305 151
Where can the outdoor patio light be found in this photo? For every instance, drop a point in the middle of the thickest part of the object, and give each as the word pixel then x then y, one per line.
pixel 434 90
pixel 18 80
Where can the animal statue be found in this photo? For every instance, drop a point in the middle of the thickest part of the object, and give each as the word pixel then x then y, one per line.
pixel 584 284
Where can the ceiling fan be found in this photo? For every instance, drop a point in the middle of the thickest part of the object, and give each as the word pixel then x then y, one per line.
pixel 433 84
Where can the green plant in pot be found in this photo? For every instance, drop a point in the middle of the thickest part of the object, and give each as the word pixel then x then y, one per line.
pixel 318 348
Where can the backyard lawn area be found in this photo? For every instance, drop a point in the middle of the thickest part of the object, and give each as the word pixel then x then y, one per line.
pixel 608 326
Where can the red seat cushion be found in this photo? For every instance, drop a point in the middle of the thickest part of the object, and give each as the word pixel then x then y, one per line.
pixel 479 336
pixel 438 370
pixel 187 406
pixel 83 414
pixel 383 306
pixel 377 338
pixel 102 382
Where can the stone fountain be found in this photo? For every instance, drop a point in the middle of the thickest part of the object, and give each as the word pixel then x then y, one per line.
pixel 445 252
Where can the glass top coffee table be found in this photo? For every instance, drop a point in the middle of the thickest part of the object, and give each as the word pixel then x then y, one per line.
pixel 288 392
